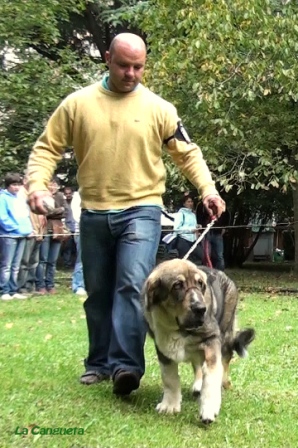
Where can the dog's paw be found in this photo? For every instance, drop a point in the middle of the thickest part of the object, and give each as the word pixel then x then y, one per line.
pixel 209 411
pixel 226 384
pixel 196 388
pixel 168 408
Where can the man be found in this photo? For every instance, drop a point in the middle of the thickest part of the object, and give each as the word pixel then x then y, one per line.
pixel 117 128
pixel 15 226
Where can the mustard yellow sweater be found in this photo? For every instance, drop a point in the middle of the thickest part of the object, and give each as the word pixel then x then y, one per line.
pixel 117 141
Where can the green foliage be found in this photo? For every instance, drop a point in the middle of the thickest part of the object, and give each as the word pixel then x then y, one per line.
pixel 47 50
pixel 231 69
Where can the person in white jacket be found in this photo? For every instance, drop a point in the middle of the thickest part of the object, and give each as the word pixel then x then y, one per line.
pixel 78 286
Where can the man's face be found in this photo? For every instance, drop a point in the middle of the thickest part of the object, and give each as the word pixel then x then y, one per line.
pixel 14 188
pixel 68 194
pixel 126 67
pixel 53 187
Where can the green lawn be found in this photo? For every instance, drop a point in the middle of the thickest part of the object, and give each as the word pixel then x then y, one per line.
pixel 44 340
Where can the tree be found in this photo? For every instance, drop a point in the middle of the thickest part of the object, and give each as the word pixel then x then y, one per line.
pixel 231 68
pixel 46 52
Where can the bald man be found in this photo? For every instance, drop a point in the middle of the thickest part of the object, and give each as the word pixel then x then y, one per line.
pixel 117 129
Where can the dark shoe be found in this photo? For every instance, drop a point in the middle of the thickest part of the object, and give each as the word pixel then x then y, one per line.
pixel 52 291
pixel 23 291
pixel 125 382
pixel 93 377
pixel 41 292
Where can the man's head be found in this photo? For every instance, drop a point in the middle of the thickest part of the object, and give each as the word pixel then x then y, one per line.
pixel 68 193
pixel 13 182
pixel 126 61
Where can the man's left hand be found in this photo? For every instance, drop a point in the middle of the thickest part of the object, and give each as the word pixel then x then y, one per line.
pixel 214 205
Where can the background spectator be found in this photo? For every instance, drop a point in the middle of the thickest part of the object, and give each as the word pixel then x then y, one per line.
pixel 50 246
pixel 186 223
pixel 68 248
pixel 214 239
pixel 30 258
pixel 78 285
pixel 15 226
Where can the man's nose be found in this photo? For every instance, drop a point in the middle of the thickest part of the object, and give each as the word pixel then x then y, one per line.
pixel 129 71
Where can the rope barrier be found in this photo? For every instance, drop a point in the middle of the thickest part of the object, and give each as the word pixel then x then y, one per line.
pixel 286 225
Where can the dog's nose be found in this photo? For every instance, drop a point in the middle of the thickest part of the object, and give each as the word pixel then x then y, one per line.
pixel 198 308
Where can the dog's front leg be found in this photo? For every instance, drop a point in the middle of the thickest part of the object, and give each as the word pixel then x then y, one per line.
pixel 198 374
pixel 171 401
pixel 212 381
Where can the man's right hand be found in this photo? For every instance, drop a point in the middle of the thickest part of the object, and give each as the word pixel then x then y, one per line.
pixel 37 200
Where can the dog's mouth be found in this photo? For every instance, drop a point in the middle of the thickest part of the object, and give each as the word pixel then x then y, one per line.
pixel 191 323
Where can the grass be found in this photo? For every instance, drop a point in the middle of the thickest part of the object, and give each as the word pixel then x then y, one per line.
pixel 44 340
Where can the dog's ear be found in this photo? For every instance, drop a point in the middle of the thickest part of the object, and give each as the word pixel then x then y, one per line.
pixel 154 292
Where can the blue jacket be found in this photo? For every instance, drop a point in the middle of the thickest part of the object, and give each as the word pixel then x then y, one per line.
pixel 14 215
pixel 186 219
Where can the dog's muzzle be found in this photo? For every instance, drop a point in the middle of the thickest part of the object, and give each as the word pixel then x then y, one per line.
pixel 198 309
pixel 194 319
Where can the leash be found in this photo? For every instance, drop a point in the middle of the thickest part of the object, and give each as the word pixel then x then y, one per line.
pixel 211 223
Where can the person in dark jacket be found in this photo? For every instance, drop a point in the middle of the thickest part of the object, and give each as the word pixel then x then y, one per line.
pixel 214 239
pixel 50 246
pixel 68 249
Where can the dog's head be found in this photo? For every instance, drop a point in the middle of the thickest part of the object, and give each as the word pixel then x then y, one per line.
pixel 176 291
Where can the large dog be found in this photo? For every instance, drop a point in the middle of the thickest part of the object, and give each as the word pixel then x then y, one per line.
pixel 190 311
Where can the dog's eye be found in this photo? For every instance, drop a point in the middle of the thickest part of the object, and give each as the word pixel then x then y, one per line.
pixel 200 283
pixel 178 285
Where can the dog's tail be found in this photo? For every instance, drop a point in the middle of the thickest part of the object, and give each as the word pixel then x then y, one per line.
pixel 242 340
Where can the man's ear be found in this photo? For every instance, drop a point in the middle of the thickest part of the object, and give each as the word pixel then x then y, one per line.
pixel 154 292
pixel 107 57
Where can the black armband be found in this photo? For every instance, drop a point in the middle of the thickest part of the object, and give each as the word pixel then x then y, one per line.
pixel 180 134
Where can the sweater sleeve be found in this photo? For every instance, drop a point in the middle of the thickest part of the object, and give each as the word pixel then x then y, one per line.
pixel 49 148
pixel 188 156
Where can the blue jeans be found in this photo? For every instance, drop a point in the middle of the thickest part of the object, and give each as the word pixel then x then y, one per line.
pixel 216 250
pixel 48 255
pixel 11 252
pixel 118 252
pixel 77 276
pixel 29 263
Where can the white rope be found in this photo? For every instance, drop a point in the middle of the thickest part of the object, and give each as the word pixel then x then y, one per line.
pixel 211 223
